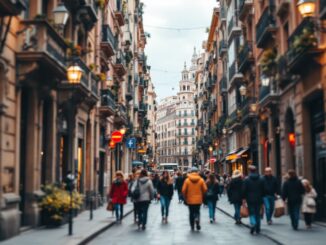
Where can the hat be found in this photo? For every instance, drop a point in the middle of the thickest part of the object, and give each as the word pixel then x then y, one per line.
pixel 193 169
pixel 236 174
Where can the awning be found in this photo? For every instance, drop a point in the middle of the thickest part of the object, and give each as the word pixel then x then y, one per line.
pixel 137 163
pixel 237 154
pixel 243 153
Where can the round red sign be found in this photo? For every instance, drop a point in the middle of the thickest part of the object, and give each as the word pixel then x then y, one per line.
pixel 116 137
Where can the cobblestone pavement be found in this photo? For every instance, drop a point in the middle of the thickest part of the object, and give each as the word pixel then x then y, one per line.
pixel 177 231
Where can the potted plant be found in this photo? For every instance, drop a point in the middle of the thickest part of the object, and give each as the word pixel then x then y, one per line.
pixel 55 204
pixel 307 39
pixel 268 60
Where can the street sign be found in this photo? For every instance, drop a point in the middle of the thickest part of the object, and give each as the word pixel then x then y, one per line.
pixel 116 137
pixel 131 143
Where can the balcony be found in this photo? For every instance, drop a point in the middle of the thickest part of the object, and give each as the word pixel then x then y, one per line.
pixel 12 7
pixel 234 75
pixel 265 28
pixel 222 17
pixel 303 47
pixel 233 29
pixel 200 123
pixel 245 57
pixel 121 115
pixel 223 48
pixel 108 42
pixel 40 43
pixel 248 109
pixel 129 92
pixel 244 8
pixel 233 121
pixel 268 95
pixel 120 64
pixel 88 14
pixel 283 75
pixel 204 105
pixel 119 13
pixel 223 85
pixel 107 108
pixel 142 109
pixel 283 7
pixel 322 8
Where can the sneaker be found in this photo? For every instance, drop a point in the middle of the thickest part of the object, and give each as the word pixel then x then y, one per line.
pixel 269 222
pixel 211 221
pixel 143 227
pixel 252 230
pixel 198 227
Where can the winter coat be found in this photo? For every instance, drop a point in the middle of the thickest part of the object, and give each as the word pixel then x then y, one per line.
pixel 212 191
pixel 155 182
pixel 270 185
pixel 253 189
pixel 146 189
pixel 119 192
pixel 165 189
pixel 194 189
pixel 179 183
pixel 309 195
pixel 293 190
pixel 235 190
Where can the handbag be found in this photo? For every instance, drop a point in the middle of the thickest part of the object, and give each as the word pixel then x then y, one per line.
pixel 136 192
pixel 109 207
pixel 311 203
pixel 279 208
pixel 244 211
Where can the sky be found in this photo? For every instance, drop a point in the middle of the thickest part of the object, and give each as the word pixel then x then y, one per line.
pixel 167 50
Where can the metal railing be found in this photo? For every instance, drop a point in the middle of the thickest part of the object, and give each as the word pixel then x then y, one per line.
pixel 244 53
pixel 266 20
pixel 223 84
pixel 107 98
pixel 232 70
pixel 107 36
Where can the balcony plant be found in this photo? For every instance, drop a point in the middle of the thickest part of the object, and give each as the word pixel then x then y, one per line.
pixel 306 40
pixel 55 204
pixel 268 61
pixel 101 3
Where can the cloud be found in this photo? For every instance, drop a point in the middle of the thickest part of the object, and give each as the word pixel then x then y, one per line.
pixel 168 49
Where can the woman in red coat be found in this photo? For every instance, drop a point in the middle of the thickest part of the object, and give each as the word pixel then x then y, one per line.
pixel 118 194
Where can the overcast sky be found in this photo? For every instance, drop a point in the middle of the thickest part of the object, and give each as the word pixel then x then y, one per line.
pixel 168 49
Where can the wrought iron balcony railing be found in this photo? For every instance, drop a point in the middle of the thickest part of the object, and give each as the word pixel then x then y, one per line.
pixel 265 27
pixel 245 56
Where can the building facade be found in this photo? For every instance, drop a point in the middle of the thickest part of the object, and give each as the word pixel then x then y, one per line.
pixel 269 90
pixel 51 125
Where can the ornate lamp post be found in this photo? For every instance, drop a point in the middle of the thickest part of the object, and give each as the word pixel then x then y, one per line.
pixel 306 8
pixel 60 14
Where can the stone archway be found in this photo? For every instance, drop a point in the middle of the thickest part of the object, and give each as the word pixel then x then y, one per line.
pixel 289 130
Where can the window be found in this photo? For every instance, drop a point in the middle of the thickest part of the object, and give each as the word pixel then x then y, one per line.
pixel 188 88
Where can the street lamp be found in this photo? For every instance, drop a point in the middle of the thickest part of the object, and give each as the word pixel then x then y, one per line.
pixel 224 131
pixel 60 14
pixel 265 81
pixel 243 90
pixel 74 74
pixel 306 7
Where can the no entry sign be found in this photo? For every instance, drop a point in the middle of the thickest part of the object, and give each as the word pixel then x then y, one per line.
pixel 116 137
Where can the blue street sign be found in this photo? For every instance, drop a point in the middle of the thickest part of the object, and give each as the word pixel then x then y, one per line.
pixel 131 143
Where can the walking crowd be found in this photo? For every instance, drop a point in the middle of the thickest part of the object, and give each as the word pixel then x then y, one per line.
pixel 252 196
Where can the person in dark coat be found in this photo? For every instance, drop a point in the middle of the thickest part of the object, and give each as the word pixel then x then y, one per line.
pixel 178 186
pixel 271 191
pixel 292 192
pixel 165 191
pixel 155 180
pixel 253 192
pixel 211 196
pixel 235 194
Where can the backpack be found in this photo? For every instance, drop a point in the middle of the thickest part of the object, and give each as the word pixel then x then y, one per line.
pixel 135 194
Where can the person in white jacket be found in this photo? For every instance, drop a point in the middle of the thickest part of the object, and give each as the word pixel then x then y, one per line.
pixel 309 203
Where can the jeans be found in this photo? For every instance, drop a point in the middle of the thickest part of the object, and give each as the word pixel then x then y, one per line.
pixel 269 202
pixel 135 211
pixel 254 216
pixel 142 212
pixel 237 207
pixel 165 204
pixel 211 208
pixel 294 212
pixel 194 214
pixel 118 211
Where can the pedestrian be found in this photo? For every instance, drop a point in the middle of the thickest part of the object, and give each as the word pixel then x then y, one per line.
pixel 165 192
pixel 193 190
pixel 271 191
pixel 146 193
pixel 292 192
pixel 235 194
pixel 156 180
pixel 221 185
pixel 211 196
pixel 309 203
pixel 178 186
pixel 118 195
pixel 253 192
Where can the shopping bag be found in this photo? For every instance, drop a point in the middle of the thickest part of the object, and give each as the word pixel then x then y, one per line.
pixel 244 211
pixel 109 207
pixel 279 208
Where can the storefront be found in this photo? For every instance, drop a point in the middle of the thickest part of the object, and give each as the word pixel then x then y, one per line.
pixel 238 160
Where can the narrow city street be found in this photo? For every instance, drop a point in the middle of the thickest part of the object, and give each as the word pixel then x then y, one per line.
pixel 177 231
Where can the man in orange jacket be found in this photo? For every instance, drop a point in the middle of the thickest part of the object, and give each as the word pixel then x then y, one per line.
pixel 193 190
